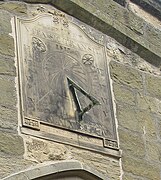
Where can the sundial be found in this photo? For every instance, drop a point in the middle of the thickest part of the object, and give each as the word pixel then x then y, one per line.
pixel 64 80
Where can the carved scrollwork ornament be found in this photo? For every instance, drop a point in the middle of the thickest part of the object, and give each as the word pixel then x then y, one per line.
pixel 58 17
pixel 38 44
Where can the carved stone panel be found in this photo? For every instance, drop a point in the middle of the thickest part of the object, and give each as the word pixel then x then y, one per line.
pixel 63 77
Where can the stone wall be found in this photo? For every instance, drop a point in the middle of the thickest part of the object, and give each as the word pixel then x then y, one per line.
pixel 19 151
pixel 11 144
pixel 133 50
pixel 138 112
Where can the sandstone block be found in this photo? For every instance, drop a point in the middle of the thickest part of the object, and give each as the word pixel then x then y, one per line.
pixel 127 176
pixel 8 92
pixel 149 126
pixel 140 167
pixel 159 107
pixel 38 1
pixel 132 144
pixel 126 75
pixel 153 84
pixel 11 144
pixel 127 118
pixel 8 118
pixel 136 120
pixel 41 151
pixel 102 163
pixel 159 128
pixel 123 94
pixel 153 151
pixel 14 7
pixel 152 34
pixel 10 165
pixel 7 66
pixel 6 45
pixel 5 24
pixel 147 103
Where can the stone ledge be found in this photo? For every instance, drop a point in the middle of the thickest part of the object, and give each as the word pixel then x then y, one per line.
pixel 116 21
pixel 151 6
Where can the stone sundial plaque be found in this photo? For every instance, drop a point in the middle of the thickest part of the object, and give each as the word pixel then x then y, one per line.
pixel 64 82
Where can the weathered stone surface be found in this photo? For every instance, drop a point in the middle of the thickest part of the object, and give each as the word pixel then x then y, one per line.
pixel 152 7
pixel 153 151
pixel 8 92
pixel 136 120
pixel 153 84
pixel 14 7
pixel 6 45
pixel 37 1
pixel 114 20
pixel 126 75
pixel 10 165
pixel 121 2
pixel 5 25
pixel 7 66
pixel 159 107
pixel 132 144
pixel 123 94
pixel 135 24
pixel 159 128
pixel 141 168
pixel 11 144
pixel 41 151
pixel 128 176
pixel 147 103
pixel 21 176
pixel 149 126
pixel 151 34
pixel 129 119
pixel 8 118
pixel 102 163
pixel 123 55
pixel 76 169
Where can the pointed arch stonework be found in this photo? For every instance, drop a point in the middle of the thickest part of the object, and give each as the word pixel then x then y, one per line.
pixel 62 170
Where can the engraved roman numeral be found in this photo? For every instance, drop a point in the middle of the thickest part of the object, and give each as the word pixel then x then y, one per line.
pixel 81 111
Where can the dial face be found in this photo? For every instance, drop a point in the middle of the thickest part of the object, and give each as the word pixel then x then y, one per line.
pixel 60 65
pixel 65 80
pixel 57 69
